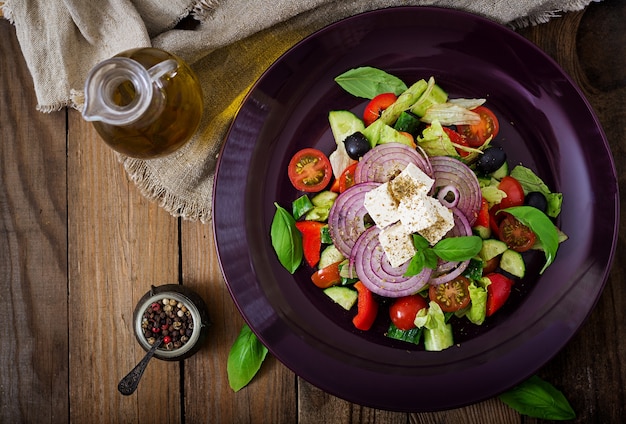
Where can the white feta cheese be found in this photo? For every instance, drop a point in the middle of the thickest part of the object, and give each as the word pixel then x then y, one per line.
pixel 381 206
pixel 410 182
pixel 416 212
pixel 443 224
pixel 397 244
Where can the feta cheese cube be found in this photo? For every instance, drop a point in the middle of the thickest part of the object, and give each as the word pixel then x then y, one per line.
pixel 397 244
pixel 381 206
pixel 443 224
pixel 410 182
pixel 416 213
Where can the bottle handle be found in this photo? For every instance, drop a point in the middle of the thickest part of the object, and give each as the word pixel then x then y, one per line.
pixel 166 68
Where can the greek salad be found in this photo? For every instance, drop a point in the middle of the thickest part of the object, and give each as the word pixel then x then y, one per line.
pixel 416 214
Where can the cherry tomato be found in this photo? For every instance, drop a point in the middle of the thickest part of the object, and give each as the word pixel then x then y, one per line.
pixel 491 265
pixel 457 138
pixel 310 170
pixel 497 292
pixel 514 192
pixel 452 295
pixel 477 134
pixel 346 180
pixel 376 106
pixel 516 235
pixel 404 309
pixel 326 277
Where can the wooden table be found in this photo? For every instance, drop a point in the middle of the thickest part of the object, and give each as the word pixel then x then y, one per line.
pixel 80 246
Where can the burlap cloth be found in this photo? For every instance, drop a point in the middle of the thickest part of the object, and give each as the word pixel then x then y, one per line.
pixel 232 44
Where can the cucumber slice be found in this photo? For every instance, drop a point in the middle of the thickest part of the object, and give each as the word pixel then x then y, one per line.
pixel 492 248
pixel 344 296
pixel 513 263
pixel 483 232
pixel 329 256
pixel 501 172
pixel 408 122
pixel 324 198
pixel 344 123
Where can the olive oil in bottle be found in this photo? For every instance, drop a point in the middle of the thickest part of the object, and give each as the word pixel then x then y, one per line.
pixel 144 103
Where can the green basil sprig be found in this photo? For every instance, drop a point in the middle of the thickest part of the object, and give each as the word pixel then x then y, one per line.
pixel 448 249
pixel 538 399
pixel 244 359
pixel 286 239
pixel 368 82
pixel 543 228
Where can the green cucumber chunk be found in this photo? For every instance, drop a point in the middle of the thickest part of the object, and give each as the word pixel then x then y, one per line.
pixel 513 263
pixel 301 206
pixel 344 123
pixel 492 248
pixel 408 122
pixel 343 296
pixel 329 256
pixel 501 172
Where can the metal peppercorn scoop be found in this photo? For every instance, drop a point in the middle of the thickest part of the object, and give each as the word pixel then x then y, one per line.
pixel 170 323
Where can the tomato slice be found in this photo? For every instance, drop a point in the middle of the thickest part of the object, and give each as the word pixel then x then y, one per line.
pixel 482 219
pixel 311 240
pixel 310 170
pixel 457 138
pixel 367 308
pixel 326 277
pixel 497 292
pixel 514 192
pixel 346 180
pixel 452 295
pixel 516 235
pixel 477 134
pixel 376 106
pixel 404 309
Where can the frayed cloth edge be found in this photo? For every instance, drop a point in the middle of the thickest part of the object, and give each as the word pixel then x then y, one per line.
pixel 138 173
pixel 203 9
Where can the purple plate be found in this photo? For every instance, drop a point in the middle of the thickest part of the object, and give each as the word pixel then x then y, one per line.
pixel 547 125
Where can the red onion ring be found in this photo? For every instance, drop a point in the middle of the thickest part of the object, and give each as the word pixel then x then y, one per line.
pixel 376 273
pixel 346 217
pixel 443 194
pixel 452 172
pixel 385 161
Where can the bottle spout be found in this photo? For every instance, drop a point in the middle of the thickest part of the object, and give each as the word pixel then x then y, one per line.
pixel 117 91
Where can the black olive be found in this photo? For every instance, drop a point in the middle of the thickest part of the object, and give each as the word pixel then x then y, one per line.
pixel 356 145
pixel 491 160
pixel 537 200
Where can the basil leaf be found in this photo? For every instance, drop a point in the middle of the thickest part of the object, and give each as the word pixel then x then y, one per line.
pixel 458 248
pixel 543 228
pixel 539 399
pixel 244 359
pixel 416 265
pixel 286 239
pixel 368 82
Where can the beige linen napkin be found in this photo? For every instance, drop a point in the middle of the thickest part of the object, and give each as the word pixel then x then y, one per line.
pixel 230 46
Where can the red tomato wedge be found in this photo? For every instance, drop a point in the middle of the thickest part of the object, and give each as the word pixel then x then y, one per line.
pixel 346 180
pixel 326 277
pixel 477 134
pixel 310 170
pixel 376 106
pixel 451 295
pixel 514 192
pixel 404 309
pixel 367 308
pixel 311 240
pixel 497 292
pixel 516 235
pixel 457 138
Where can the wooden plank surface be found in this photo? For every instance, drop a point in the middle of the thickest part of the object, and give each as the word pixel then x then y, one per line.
pixel 80 246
